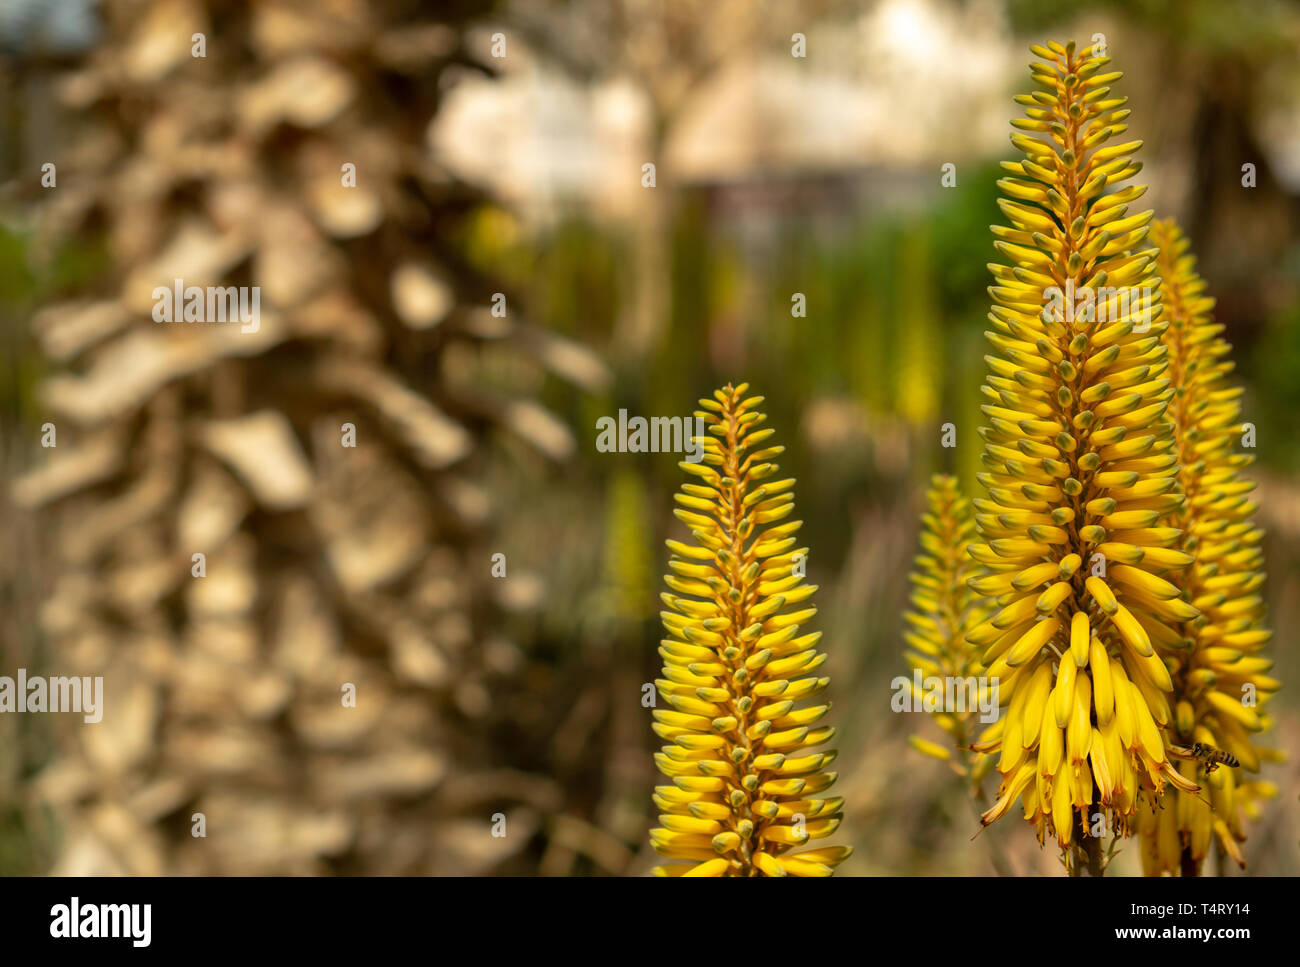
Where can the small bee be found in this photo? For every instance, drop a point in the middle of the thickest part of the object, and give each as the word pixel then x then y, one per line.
pixel 1210 757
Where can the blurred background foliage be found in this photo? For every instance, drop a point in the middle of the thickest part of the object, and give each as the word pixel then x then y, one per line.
pixel 820 179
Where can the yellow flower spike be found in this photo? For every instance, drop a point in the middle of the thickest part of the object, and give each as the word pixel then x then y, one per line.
pixel 946 610
pixel 1215 666
pixel 1079 463
pixel 747 776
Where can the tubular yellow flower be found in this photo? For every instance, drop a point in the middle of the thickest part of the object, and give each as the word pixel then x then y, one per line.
pixel 1220 679
pixel 748 783
pixel 1081 470
pixel 945 611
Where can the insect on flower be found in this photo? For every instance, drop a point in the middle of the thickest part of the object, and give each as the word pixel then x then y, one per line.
pixel 1220 678
pixel 1209 757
